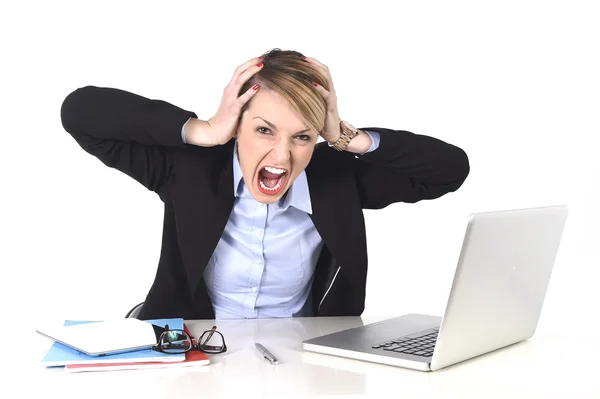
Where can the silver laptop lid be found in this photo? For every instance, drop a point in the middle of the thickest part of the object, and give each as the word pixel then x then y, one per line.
pixel 500 281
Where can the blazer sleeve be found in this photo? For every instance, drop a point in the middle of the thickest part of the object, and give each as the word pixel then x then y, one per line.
pixel 407 167
pixel 126 131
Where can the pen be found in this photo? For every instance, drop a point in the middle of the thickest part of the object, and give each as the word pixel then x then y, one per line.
pixel 266 354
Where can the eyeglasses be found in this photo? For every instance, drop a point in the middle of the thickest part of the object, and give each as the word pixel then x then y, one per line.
pixel 179 341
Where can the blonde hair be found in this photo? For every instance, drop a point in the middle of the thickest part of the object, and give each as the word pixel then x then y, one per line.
pixel 289 75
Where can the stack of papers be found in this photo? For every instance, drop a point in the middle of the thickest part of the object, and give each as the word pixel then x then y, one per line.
pixel 72 360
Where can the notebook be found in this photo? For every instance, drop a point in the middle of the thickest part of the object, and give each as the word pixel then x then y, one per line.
pixel 60 355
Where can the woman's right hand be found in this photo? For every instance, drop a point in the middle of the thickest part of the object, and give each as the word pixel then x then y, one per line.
pixel 219 129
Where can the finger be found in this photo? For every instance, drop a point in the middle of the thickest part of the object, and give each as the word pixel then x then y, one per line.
pixel 329 96
pixel 244 98
pixel 245 76
pixel 324 70
pixel 315 62
pixel 240 69
pixel 326 95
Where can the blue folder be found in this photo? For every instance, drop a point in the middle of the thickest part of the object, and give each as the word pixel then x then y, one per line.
pixel 60 355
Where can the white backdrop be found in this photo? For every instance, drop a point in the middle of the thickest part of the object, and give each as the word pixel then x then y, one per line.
pixel 514 84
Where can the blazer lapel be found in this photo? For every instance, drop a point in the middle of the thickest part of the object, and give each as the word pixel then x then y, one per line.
pixel 337 214
pixel 202 213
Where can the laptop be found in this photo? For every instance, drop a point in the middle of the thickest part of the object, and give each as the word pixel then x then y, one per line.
pixel 495 299
pixel 109 337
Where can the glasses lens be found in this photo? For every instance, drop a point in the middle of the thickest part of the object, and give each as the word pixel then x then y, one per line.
pixel 175 341
pixel 211 342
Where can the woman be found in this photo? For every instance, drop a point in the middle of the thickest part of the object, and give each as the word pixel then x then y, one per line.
pixel 260 220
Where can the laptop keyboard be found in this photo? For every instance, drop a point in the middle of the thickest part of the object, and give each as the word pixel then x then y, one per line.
pixel 421 345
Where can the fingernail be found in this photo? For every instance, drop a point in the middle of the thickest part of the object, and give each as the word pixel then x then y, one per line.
pixel 259 64
pixel 255 87
pixel 315 84
pixel 261 57
pixel 303 57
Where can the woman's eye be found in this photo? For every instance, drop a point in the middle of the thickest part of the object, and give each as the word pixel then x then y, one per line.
pixel 263 130
pixel 304 137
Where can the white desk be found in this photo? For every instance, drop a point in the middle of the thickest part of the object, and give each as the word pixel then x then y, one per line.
pixel 549 364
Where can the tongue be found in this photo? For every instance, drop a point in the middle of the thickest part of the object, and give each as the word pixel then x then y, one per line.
pixel 268 175
pixel 269 179
pixel 270 182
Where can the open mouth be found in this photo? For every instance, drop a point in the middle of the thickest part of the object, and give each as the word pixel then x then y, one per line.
pixel 271 180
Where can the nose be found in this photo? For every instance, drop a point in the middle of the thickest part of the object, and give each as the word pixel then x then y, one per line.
pixel 282 152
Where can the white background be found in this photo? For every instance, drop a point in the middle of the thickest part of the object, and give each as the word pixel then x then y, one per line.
pixel 515 84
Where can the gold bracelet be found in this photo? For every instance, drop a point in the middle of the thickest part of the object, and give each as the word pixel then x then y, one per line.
pixel 348 132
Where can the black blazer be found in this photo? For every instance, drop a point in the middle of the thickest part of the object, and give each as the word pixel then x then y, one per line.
pixel 142 138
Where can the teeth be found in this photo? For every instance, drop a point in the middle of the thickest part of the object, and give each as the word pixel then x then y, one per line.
pixel 274 170
pixel 277 186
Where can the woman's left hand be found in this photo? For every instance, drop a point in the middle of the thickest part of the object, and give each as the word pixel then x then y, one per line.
pixel 331 132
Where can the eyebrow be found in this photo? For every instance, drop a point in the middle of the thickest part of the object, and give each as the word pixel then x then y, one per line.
pixel 275 127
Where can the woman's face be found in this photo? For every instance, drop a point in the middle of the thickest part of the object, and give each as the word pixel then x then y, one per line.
pixel 274 146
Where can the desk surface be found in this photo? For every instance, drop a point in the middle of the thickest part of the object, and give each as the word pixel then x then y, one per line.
pixel 547 364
